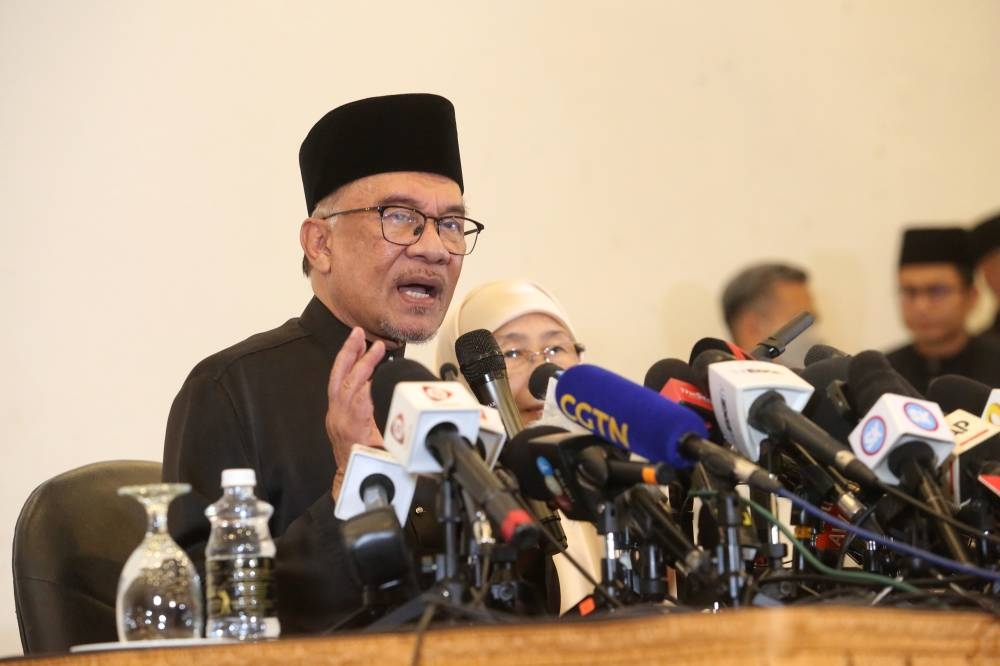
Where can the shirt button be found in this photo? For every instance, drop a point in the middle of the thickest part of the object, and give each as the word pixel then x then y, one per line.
pixel 419 510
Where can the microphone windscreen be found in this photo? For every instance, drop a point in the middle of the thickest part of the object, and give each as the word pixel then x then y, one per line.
pixel 520 456
pixel 666 369
pixel 953 392
pixel 478 355
pixel 538 383
pixel 627 414
pixel 821 352
pixel 706 344
pixel 870 376
pixel 820 409
pixel 384 381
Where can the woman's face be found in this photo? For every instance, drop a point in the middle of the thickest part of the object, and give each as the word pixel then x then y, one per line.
pixel 523 341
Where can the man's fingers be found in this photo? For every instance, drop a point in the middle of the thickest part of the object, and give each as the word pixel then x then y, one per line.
pixel 344 362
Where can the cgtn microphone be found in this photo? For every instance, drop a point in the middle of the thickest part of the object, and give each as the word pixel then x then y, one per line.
pixel 639 419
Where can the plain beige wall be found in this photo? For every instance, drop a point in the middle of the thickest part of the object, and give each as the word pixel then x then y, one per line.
pixel 630 156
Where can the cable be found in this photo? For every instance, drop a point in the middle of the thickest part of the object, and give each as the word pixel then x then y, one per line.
pixel 859 576
pixel 850 536
pixel 928 509
pixel 898 546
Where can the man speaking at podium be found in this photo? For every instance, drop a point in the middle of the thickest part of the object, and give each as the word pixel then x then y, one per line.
pixel 383 248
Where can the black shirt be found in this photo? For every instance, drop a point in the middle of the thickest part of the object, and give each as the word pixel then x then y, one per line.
pixel 979 360
pixel 261 404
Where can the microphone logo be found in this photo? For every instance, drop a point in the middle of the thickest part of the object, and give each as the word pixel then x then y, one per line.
pixel 992 413
pixel 436 393
pixel 398 428
pixel 920 416
pixel 873 435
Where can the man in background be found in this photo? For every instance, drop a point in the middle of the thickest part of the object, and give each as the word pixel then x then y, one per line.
pixel 762 298
pixel 936 295
pixel 986 253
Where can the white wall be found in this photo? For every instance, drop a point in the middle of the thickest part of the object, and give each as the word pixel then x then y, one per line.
pixel 629 157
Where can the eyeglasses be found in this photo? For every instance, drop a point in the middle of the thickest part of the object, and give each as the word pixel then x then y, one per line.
pixel 405 226
pixel 560 354
pixel 933 292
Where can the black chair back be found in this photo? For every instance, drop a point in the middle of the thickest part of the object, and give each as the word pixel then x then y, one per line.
pixel 71 541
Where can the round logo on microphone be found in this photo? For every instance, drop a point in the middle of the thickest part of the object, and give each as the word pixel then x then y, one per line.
pixel 920 416
pixel 873 435
pixel 397 428
pixel 436 393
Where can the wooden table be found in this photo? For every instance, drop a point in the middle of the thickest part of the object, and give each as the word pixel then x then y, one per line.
pixel 828 636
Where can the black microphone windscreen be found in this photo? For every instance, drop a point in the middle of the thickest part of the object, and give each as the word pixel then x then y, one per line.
pixel 821 352
pixel 706 344
pixel 953 392
pixel 538 383
pixel 479 354
pixel 870 376
pixel 448 372
pixel 820 409
pixel 521 458
pixel 699 367
pixel 384 381
pixel 666 369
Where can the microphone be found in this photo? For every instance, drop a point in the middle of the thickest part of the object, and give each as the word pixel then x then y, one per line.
pixel 902 437
pixel 448 372
pixel 429 429
pixel 953 392
pixel 577 472
pixel 830 407
pixel 373 479
pixel 485 370
pixel 675 381
pixel 823 352
pixel 757 400
pixel 977 448
pixel 774 346
pixel 634 417
pixel 541 377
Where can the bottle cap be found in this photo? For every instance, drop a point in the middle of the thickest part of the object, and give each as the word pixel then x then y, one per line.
pixel 238 477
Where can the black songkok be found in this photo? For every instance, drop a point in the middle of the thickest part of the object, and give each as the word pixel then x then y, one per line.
pixel 413 132
pixel 936 245
pixel 985 237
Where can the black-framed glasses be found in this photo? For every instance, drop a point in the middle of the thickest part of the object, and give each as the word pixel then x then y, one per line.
pixel 402 225
pixel 561 354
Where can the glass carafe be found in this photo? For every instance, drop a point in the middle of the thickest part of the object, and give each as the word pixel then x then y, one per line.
pixel 159 591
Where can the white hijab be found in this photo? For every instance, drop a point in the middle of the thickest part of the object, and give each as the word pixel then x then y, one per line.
pixel 492 305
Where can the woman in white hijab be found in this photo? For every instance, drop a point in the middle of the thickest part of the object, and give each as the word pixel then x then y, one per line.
pixel 531 327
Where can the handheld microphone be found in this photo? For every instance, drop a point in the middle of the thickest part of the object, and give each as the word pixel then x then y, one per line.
pixel 636 418
pixel 757 400
pixel 541 377
pixel 902 437
pixel 449 372
pixel 953 392
pixel 675 381
pixel 374 479
pixel 485 370
pixel 774 346
pixel 821 352
pixel 429 429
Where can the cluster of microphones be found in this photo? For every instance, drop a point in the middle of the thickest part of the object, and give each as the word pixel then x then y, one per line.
pixel 726 480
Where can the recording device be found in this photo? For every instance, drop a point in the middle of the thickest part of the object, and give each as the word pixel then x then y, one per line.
pixel 774 346
pixel 902 437
pixel 374 479
pixel 429 429
pixel 483 366
pixel 636 418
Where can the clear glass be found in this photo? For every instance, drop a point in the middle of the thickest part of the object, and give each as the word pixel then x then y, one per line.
pixel 159 591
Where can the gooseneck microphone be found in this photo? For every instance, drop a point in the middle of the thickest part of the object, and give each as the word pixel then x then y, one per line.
pixel 774 346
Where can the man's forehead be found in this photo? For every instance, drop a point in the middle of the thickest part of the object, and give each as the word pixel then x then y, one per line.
pixel 929 273
pixel 413 185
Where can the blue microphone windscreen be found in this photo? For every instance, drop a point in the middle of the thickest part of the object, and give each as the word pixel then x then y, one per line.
pixel 627 414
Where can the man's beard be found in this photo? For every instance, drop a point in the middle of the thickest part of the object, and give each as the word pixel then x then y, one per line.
pixel 389 330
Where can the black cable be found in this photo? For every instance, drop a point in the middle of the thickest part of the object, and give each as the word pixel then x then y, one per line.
pixel 926 508
pixel 850 536
pixel 421 631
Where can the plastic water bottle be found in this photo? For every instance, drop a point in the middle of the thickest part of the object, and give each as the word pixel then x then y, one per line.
pixel 239 563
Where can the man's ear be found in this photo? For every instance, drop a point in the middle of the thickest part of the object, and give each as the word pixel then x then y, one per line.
pixel 314 236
